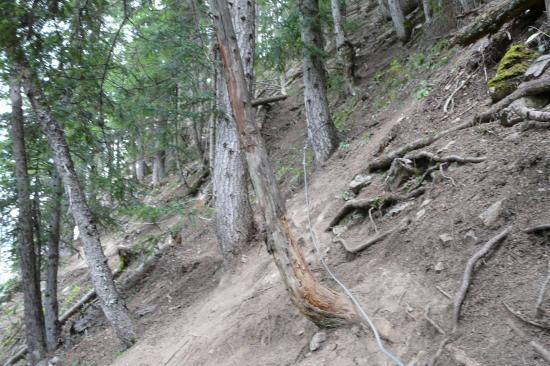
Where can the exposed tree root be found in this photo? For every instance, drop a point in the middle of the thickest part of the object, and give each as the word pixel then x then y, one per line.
pixel 533 87
pixel 540 298
pixel 538 228
pixel 366 204
pixel 524 319
pixel 413 164
pixel 539 348
pixel 373 240
pixel 461 294
pixel 386 160
pixel 437 354
pixel 529 113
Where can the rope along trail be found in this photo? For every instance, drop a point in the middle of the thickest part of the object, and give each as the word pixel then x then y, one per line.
pixel 347 291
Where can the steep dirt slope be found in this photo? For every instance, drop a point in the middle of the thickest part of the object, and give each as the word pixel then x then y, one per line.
pixel 192 311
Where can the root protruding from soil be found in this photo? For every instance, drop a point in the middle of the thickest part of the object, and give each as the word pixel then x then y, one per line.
pixel 377 202
pixel 467 278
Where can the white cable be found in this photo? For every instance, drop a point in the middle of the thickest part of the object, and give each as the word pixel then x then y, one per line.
pixel 362 312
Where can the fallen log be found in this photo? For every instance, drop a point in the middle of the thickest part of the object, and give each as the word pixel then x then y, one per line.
pixel 267 100
pixel 492 18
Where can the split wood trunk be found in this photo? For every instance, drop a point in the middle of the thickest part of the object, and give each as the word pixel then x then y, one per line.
pixel 34 317
pixel 234 222
pixel 321 131
pixel 111 302
pixel 318 303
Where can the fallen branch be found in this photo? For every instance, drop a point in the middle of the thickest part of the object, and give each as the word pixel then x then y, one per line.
pixel 540 299
pixel 267 100
pixel 524 319
pixel 461 294
pixel 450 98
pixel 365 204
pixel 532 87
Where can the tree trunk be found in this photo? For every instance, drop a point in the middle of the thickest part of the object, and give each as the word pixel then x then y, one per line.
pixel 398 19
pixel 547 7
pixel 158 167
pixel 140 162
pixel 51 305
pixel 319 304
pixel 234 221
pixel 467 5
pixel 344 48
pixel 34 318
pixel 102 279
pixel 427 11
pixel 321 131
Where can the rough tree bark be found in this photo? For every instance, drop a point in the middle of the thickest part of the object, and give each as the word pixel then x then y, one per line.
pixel 427 11
pixel 319 304
pixel 51 307
pixel 234 222
pixel 321 131
pixel 102 279
pixel 398 19
pixel 158 167
pixel 344 48
pixel 34 318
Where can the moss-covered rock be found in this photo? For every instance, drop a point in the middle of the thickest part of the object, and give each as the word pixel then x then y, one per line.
pixel 510 71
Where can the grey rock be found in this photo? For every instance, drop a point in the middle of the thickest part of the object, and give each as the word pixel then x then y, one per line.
pixel 420 213
pixel 400 207
pixel 359 182
pixel 339 229
pixel 491 215
pixel 470 237
pixel 439 267
pixel 445 238
pixel 426 202
pixel 316 341
pixel 537 67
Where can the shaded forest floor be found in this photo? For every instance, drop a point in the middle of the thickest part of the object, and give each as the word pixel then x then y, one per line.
pixel 192 311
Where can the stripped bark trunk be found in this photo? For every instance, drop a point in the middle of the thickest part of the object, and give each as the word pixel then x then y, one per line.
pixel 34 318
pixel 319 304
pixel 51 306
pixel 111 303
pixel 321 131
pixel 398 19
pixel 344 48
pixel 234 223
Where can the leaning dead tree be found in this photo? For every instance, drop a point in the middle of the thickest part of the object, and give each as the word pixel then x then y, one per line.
pixel 321 305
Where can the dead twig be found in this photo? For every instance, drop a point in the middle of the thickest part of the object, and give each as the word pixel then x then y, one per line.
pixel 461 294
pixel 443 292
pixel 445 176
pixel 432 322
pixel 450 98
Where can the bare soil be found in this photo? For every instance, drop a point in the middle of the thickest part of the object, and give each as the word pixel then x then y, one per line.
pixel 192 311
